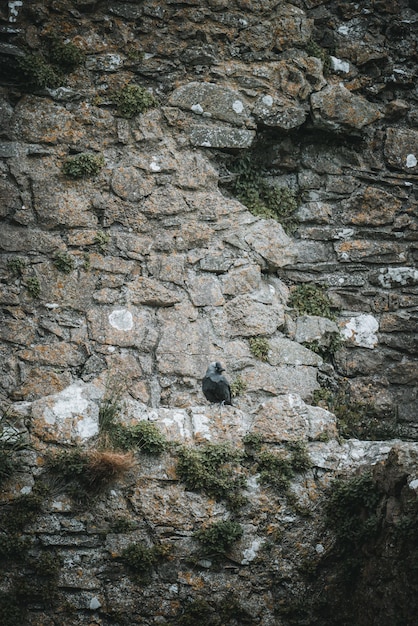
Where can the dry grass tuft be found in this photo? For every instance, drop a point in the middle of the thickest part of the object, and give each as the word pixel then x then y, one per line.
pixel 104 466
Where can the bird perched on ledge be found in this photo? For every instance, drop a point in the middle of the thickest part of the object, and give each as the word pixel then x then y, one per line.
pixel 215 386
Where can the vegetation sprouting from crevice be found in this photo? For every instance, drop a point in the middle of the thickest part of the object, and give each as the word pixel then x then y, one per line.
pixel 262 195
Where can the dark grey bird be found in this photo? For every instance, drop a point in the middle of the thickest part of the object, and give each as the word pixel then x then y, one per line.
pixel 215 386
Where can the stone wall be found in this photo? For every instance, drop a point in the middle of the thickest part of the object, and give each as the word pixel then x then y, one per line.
pixel 132 280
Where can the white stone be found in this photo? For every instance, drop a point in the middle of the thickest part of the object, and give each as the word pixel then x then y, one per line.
pixel 14 8
pixel 267 100
pixel 197 108
pixel 319 548
pixel 398 275
pixel 87 427
pixel 94 604
pixel 361 330
pixel 411 160
pixel 237 106
pixel 69 402
pixel 250 553
pixel 121 319
pixel 200 425
pixel 414 484
pixel 339 66
pixel 154 167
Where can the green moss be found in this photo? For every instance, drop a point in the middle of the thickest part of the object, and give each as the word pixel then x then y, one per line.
pixel 253 440
pixel 33 286
pixel 218 538
pixel 12 611
pixel 238 387
pixel 315 50
pixel 275 469
pixel 65 55
pixel 64 262
pixel 259 347
pixel 83 165
pixel 85 474
pixel 309 299
pixel 48 67
pixel 122 525
pixel 38 73
pixel 101 239
pixel 144 436
pixel 132 100
pixel 196 612
pixel 359 420
pixel 16 265
pixel 261 197
pixel 141 559
pixel 326 352
pixel 300 460
pixel 213 469
pixel 351 510
pixel 13 546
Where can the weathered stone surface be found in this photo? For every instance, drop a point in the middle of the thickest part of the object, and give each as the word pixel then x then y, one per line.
pixel 122 326
pixel 361 330
pixel 283 351
pixel 131 183
pixel 213 136
pixel 292 27
pixel 150 292
pixel 314 328
pixel 205 290
pixel 401 149
pixel 337 109
pixel 186 343
pixel 18 239
pixel 282 379
pixel 248 318
pixel 288 418
pixel 211 100
pixel 170 274
pixel 242 279
pixel 372 207
pixel 280 112
pixel 397 276
pixel 60 354
pixel 370 251
pixel 68 416
pixel 268 239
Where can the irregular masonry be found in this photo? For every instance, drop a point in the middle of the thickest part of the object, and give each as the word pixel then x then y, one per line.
pixel 170 271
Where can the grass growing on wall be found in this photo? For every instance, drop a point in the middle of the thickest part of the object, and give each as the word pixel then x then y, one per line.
pixel 261 196
pixel 310 299
pixel 144 435
pixel 214 470
pixel 217 538
pixel 84 474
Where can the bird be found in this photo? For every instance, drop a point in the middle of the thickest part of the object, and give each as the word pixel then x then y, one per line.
pixel 215 386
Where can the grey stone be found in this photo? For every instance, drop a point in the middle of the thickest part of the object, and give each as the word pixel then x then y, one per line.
pixel 204 290
pixel 336 108
pixel 211 136
pixel 311 328
pixel 9 149
pixel 283 351
pixel 401 149
pixel 282 379
pixel 211 100
pixel 268 239
pixel 248 318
